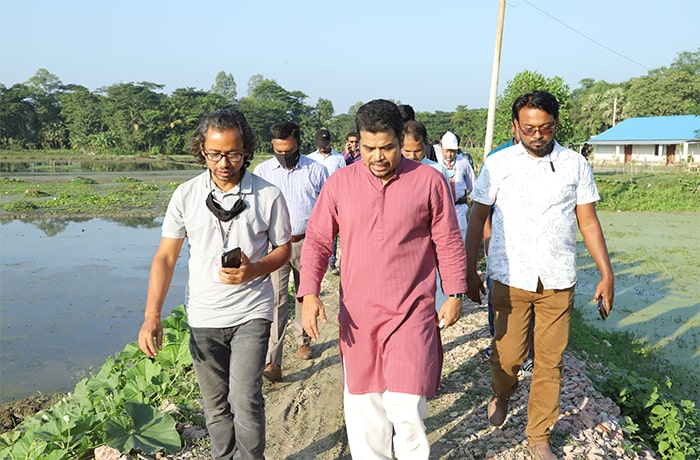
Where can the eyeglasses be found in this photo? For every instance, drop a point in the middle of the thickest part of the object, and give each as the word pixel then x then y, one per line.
pixel 545 130
pixel 216 156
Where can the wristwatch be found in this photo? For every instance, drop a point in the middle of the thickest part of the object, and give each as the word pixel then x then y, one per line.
pixel 461 296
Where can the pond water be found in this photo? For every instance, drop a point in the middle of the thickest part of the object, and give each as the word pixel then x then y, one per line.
pixel 657 282
pixel 71 294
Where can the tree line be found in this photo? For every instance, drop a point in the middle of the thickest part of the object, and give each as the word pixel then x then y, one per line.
pixel 44 113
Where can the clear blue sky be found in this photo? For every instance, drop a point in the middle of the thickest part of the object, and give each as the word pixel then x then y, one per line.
pixel 433 55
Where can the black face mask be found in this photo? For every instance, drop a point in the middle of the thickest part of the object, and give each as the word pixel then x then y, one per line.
pixel 222 214
pixel 288 160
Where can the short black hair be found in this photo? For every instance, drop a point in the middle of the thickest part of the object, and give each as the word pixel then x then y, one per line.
pixel 407 112
pixel 352 134
pixel 539 100
pixel 223 120
pixel 284 130
pixel 379 115
pixel 416 130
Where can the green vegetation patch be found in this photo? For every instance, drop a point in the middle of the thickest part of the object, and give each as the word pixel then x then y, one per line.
pixel 122 179
pixel 123 405
pixel 82 180
pixel 85 197
pixel 661 191
pixel 647 388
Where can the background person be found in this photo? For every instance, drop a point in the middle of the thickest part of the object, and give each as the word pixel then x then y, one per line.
pixel 407 112
pixel 415 144
pixel 333 161
pixel 228 309
pixel 465 154
pixel 538 191
pixel 352 148
pixel 460 177
pixel 324 153
pixel 397 220
pixel 300 179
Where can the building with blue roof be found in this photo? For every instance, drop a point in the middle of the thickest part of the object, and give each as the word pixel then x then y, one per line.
pixel 660 140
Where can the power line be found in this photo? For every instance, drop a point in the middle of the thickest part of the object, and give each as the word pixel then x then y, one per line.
pixel 586 36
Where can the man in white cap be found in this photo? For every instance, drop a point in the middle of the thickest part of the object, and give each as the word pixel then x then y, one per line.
pixel 459 174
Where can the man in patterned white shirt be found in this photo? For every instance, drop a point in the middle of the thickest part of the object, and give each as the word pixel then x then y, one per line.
pixel 538 190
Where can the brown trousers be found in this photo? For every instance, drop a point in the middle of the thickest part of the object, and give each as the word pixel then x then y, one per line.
pixel 512 311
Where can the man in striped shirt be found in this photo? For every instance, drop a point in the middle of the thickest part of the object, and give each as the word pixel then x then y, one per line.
pixel 398 220
pixel 300 179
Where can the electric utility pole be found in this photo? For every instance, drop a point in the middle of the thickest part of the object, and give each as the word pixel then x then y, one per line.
pixel 490 120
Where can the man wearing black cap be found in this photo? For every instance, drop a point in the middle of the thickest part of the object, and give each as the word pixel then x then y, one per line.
pixel 325 153
pixel 333 161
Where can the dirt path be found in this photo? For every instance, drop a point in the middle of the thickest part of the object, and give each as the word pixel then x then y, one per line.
pixel 305 411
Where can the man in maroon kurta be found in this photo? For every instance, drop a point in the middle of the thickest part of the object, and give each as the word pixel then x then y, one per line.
pixel 398 221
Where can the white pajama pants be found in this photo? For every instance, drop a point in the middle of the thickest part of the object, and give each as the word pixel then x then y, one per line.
pixel 371 419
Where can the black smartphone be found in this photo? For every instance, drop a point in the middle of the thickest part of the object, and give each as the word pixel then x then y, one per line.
pixel 232 258
pixel 601 308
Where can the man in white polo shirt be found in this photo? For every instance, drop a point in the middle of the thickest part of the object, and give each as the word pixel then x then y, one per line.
pixel 229 309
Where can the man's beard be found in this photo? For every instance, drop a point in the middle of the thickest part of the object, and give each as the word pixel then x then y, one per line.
pixel 539 151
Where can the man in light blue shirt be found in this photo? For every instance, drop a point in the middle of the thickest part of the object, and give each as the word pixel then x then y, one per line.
pixel 325 153
pixel 333 161
pixel 300 179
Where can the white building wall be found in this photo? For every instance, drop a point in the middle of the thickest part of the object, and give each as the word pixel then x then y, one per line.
pixel 649 153
pixel 645 153
pixel 606 154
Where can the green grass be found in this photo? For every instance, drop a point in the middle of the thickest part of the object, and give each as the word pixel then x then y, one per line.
pixel 626 351
pixel 659 191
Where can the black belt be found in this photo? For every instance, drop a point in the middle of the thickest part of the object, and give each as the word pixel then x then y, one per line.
pixel 297 238
pixel 463 200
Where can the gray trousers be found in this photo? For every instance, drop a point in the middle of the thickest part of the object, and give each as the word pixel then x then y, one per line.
pixel 280 283
pixel 228 363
